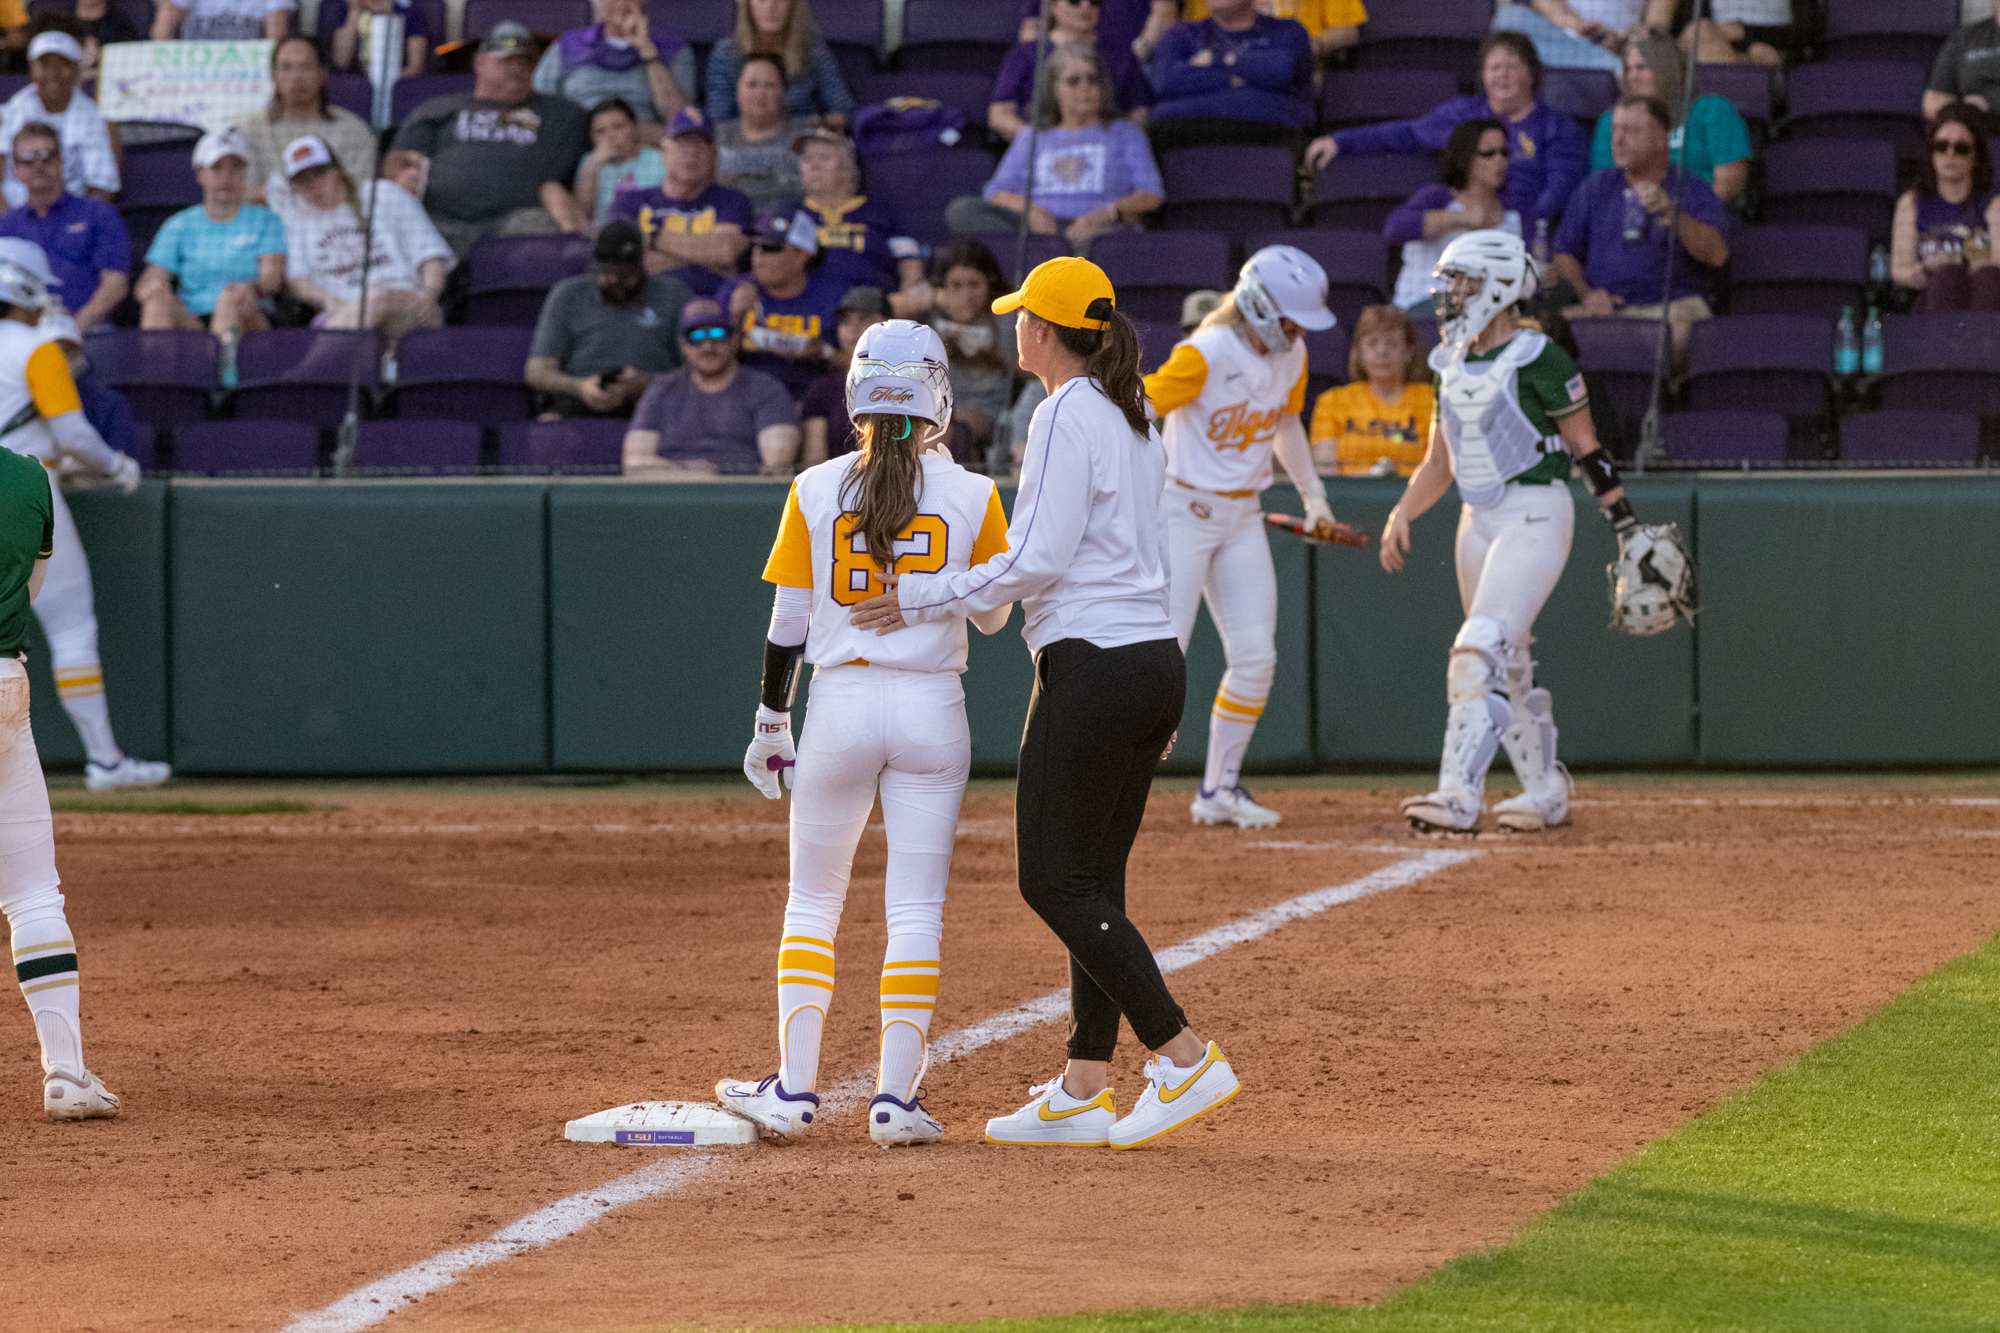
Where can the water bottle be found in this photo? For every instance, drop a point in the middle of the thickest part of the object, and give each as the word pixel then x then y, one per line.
pixel 226 369
pixel 1846 347
pixel 1878 269
pixel 1871 343
pixel 1635 217
pixel 1542 241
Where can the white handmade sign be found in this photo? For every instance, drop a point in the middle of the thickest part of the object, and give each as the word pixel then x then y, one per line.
pixel 209 84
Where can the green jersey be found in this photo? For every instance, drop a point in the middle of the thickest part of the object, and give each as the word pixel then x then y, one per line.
pixel 1549 388
pixel 27 534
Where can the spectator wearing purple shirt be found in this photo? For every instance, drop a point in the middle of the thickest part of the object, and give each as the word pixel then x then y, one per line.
pixel 1613 245
pixel 1136 25
pixel 1076 24
pixel 787 306
pixel 712 415
pixel 1548 154
pixel 1093 172
pixel 1236 77
pixel 88 248
pixel 694 228
pixel 829 432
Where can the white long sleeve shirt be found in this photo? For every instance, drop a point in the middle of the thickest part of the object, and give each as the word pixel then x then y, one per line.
pixel 1086 553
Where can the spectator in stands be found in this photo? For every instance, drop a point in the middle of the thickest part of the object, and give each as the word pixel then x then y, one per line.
pixel 616 161
pixel 1093 171
pixel 784 28
pixel 623 56
pixel 1941 242
pixel 985 360
pixel 1613 244
pixel 694 228
pixel 502 155
pixel 1076 24
pixel 823 410
pixel 1468 198
pixel 863 242
pixel 406 170
pixel 89 251
pixel 1333 25
pixel 1967 68
pixel 1573 34
pixel 603 336
pixel 1379 422
pixel 227 255
pixel 1235 77
pixel 1709 137
pixel 350 32
pixel 223 20
pixel 1132 25
pixel 1548 155
pixel 754 151
pixel 323 241
pixel 90 148
pixel 787 305
pixel 712 415
pixel 1733 32
pixel 299 106
pixel 96 24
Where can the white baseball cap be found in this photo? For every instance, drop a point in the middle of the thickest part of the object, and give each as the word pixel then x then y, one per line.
pixel 55 44
pixel 212 147
pixel 304 153
pixel 1295 283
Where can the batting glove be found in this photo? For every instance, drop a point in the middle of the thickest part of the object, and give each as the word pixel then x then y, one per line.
pixel 126 475
pixel 770 754
pixel 1319 517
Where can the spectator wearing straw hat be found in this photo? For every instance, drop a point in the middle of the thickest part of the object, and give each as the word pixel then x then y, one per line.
pixel 90 160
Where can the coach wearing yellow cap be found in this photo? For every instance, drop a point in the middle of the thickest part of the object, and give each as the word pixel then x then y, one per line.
pixel 1086 559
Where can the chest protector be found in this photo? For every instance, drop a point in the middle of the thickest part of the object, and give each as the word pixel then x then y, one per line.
pixel 1479 405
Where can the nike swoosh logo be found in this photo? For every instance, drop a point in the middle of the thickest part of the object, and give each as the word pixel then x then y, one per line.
pixel 1168 1094
pixel 1542 519
pixel 1094 1104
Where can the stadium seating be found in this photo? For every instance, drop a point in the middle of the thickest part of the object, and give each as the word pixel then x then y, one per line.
pixel 924 184
pixel 212 447
pixel 1845 182
pixel 546 17
pixel 167 375
pixel 1363 96
pixel 1910 438
pixel 583 445
pixel 1356 264
pixel 703 22
pixel 470 374
pixel 1363 191
pixel 1762 363
pixel 1440 34
pixel 1797 270
pixel 1732 439
pixel 1859 99
pixel 1584 93
pixel 852 30
pixel 145 445
pixel 419 446
pixel 1007 249
pixel 509 276
pixel 1943 363
pixel 303 374
pixel 1326 362
pixel 1156 342
pixel 970 93
pixel 965 36
pixel 1745 87
pixel 409 94
pixel 1233 191
pixel 1620 355
pixel 1153 271
pixel 1905 30
pixel 352 92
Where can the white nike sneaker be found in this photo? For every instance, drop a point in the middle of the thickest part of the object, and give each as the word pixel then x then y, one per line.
pixel 1232 805
pixel 1054 1118
pixel 784 1116
pixel 1531 812
pixel 1174 1096
pixel 1443 812
pixel 127 772
pixel 899 1124
pixel 66 1099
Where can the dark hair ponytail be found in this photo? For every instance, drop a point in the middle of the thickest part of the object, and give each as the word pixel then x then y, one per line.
pixel 1111 357
pixel 883 487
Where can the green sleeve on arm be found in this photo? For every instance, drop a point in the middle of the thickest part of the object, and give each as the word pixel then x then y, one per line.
pixel 1551 387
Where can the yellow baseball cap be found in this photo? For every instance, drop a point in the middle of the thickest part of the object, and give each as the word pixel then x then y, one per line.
pixel 1061 291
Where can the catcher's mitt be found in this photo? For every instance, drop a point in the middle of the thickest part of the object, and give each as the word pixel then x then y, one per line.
pixel 1652 581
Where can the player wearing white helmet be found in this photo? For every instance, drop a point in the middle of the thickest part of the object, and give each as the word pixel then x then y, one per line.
pixel 41 415
pixel 887 713
pixel 1229 397
pixel 1512 415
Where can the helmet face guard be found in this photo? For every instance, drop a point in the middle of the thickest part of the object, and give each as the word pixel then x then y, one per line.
pixel 1260 313
pixel 1480 274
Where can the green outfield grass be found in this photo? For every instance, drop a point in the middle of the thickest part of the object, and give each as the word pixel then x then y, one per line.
pixel 1857 1188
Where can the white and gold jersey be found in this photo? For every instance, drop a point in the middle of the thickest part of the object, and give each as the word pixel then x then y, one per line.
pixel 1220 404
pixel 959 524
pixel 35 384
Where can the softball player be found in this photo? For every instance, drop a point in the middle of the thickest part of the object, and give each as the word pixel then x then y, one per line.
pixel 887 713
pixel 45 963
pixel 1512 413
pixel 1230 397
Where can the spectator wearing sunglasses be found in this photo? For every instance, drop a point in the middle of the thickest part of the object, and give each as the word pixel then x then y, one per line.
pixel 602 337
pixel 1940 244
pixel 1468 198
pixel 89 251
pixel 787 307
pixel 1076 24
pixel 712 415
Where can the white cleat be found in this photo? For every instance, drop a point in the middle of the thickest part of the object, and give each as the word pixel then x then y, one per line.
pixel 1174 1096
pixel 127 772
pixel 66 1099
pixel 1232 805
pixel 1053 1118
pixel 1443 812
pixel 1531 813
pixel 900 1124
pixel 781 1115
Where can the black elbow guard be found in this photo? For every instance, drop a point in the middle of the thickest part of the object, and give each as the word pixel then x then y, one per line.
pixel 1599 472
pixel 781 675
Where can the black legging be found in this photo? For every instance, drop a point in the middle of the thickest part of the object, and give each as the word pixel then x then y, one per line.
pixel 1097 723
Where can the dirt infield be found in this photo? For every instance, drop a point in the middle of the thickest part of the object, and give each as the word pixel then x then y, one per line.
pixel 348 1040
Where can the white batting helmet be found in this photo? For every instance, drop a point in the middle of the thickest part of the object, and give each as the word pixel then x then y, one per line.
pixel 24 273
pixel 900 369
pixel 1282 282
pixel 1479 274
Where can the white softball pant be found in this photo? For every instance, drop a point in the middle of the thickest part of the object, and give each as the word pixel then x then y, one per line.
pixel 65 605
pixel 44 951
pixel 1216 548
pixel 1510 556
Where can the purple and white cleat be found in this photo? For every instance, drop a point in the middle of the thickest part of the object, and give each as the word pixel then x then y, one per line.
pixel 900 1124
pixel 783 1116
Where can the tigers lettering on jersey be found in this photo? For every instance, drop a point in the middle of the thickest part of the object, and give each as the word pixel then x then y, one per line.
pixel 798 326
pixel 1239 426
pixel 920 549
pixel 1222 404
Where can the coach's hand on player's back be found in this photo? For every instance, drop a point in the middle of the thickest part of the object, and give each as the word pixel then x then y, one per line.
pixel 1395 541
pixel 882 614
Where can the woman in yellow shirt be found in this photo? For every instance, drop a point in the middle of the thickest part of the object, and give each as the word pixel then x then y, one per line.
pixel 1331 24
pixel 1381 419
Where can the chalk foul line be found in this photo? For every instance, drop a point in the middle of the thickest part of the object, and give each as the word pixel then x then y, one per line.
pixel 369 1305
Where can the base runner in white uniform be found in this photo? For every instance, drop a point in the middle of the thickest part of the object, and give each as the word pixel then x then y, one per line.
pixel 1229 398
pixel 888 714
pixel 42 417
pixel 1512 414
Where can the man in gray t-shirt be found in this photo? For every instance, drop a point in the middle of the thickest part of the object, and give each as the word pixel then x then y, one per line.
pixel 1968 68
pixel 712 415
pixel 603 336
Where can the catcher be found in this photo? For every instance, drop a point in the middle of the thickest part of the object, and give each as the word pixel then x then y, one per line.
pixel 1512 414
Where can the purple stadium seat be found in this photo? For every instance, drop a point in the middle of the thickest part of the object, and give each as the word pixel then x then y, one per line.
pixel 1762 363
pixel 1156 342
pixel 158 175
pixel 702 21
pixel 145 444
pixel 1909 437
pixel 1620 355
pixel 1229 190
pixel 853 32
pixel 409 94
pixel 1796 269
pixel 1437 34
pixel 964 36
pixel 924 184
pixel 1847 182
pixel 541 16
pixel 1363 96
pixel 1326 363
pixel 351 91
pixel 139 11
pixel 470 374
pixel 970 93
pixel 168 375
pixel 1859 99
pixel 1583 93
pixel 1040 248
pixel 1942 363
pixel 303 374
pixel 1154 270
pixel 1361 192
pixel 1727 438
pixel 11 84
pixel 246 446
pixel 511 275
pixel 1908 30
pixel 580 445
pixel 429 446
pixel 1356 264
pixel 1747 88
